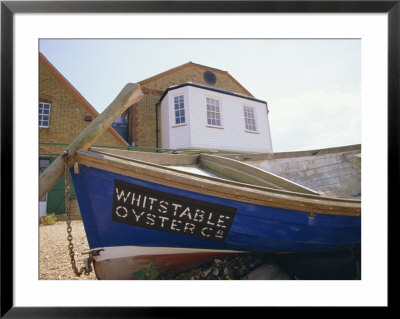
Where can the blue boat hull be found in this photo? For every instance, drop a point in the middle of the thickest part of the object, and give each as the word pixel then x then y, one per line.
pixel 119 210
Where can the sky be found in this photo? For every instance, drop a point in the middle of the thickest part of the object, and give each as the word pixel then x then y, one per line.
pixel 312 86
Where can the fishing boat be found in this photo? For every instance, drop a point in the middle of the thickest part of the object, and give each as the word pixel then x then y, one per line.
pixel 176 210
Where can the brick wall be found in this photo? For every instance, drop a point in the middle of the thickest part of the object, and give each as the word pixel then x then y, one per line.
pixel 67 116
pixel 194 73
pixel 143 114
pixel 144 120
pixel 67 112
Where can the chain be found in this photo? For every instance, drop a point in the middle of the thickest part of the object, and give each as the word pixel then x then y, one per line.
pixel 87 268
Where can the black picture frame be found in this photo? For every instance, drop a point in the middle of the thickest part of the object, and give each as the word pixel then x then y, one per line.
pixel 9 8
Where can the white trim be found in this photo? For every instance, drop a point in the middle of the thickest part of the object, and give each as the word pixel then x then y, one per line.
pixel 132 251
pixel 49 104
pixel 184 109
pixel 179 125
pixel 220 112
pixel 255 119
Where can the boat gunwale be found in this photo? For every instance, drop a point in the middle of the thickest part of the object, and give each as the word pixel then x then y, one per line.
pixel 219 187
pixel 184 159
pixel 295 154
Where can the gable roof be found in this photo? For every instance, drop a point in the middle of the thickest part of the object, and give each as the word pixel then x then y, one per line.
pixel 79 96
pixel 190 64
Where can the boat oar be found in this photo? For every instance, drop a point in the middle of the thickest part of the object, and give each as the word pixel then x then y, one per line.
pixel 129 95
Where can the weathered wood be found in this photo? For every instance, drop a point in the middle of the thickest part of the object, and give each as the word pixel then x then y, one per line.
pixel 129 95
pixel 242 172
pixel 221 188
pixel 152 157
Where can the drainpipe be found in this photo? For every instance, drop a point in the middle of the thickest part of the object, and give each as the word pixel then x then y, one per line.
pixel 157 131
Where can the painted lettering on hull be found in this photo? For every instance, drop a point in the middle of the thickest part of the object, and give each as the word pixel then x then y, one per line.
pixel 147 208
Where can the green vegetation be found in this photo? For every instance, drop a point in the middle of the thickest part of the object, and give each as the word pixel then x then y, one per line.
pixel 148 272
pixel 50 219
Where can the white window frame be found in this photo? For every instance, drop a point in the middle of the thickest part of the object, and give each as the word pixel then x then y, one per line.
pixel 210 111
pixel 246 118
pixel 179 109
pixel 42 113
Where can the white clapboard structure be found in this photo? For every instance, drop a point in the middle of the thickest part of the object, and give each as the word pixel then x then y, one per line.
pixel 198 116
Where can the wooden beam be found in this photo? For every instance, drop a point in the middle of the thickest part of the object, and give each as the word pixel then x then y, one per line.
pixel 129 95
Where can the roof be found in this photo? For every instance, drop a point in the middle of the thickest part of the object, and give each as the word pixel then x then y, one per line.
pixel 210 88
pixel 189 64
pixel 78 96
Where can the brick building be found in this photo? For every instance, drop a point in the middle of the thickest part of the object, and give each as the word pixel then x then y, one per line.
pixel 145 120
pixel 63 114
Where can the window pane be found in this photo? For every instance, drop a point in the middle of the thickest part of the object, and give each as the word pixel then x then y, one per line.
pixel 249 118
pixel 213 112
pixel 179 107
pixel 44 114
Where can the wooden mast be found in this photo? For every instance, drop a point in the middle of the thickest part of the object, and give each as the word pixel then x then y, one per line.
pixel 129 95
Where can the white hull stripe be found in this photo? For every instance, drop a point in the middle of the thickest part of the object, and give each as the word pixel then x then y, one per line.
pixel 132 251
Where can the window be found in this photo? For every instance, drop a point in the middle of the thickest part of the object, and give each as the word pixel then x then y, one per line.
pixel 249 118
pixel 44 114
pixel 213 112
pixel 179 106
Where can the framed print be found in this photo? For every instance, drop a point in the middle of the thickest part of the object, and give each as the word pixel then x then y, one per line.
pixel 373 28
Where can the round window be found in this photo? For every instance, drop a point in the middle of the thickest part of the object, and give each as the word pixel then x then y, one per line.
pixel 210 77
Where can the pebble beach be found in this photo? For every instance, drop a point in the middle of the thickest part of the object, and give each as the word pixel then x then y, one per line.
pixel 55 262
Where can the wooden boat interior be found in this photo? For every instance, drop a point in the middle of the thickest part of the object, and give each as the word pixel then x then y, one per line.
pixel 211 165
pixel 172 170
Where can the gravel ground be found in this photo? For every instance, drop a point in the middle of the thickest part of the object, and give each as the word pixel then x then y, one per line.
pixel 55 263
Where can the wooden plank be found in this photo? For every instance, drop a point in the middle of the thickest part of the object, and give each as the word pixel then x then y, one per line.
pixel 129 95
pixel 222 188
pixel 152 157
pixel 246 173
